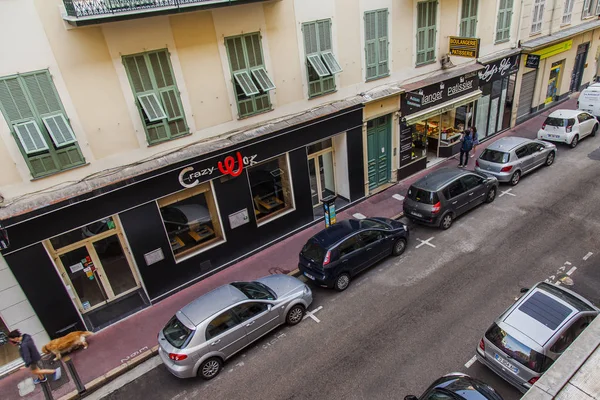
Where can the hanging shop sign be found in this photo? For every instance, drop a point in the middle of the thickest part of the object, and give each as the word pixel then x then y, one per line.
pixel 444 91
pixel 414 99
pixel 464 47
pixel 533 61
pixel 499 69
pixel 230 165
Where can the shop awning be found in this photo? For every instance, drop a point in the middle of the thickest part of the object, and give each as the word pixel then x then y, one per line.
pixel 544 41
pixel 447 106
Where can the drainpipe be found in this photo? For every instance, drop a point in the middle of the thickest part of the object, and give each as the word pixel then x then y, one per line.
pixel 520 23
pixel 552 18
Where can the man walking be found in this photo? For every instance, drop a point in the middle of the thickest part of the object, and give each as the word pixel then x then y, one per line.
pixel 31 356
pixel 467 145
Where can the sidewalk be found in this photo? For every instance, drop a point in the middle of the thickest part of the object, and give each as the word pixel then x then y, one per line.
pixel 117 348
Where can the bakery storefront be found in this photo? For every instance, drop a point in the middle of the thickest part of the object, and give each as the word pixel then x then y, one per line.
pixel 494 108
pixel 430 129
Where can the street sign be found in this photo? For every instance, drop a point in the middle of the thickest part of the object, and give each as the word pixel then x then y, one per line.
pixel 464 47
pixel 413 99
pixel 533 61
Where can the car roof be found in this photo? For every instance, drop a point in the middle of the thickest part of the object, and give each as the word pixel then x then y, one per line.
pixel 506 144
pixel 329 237
pixel 465 386
pixel 439 178
pixel 565 113
pixel 544 310
pixel 212 302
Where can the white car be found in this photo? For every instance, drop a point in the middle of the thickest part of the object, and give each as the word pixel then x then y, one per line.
pixel 568 126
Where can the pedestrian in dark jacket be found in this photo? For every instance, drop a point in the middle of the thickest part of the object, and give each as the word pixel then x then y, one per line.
pixel 465 147
pixel 31 356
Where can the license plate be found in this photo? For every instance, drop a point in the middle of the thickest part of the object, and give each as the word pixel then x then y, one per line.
pixel 508 365
pixel 309 276
pixel 554 136
pixel 416 214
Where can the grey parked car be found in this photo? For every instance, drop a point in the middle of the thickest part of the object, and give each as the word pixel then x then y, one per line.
pixel 510 158
pixel 215 326
pixel 528 337
pixel 438 198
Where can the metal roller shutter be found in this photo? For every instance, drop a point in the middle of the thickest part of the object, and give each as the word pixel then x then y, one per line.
pixel 526 95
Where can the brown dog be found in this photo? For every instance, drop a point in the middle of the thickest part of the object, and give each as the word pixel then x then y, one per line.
pixel 67 343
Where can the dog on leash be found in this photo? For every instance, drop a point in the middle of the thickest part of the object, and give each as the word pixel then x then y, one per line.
pixel 66 344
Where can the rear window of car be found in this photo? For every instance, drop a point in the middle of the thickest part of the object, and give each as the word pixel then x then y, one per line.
pixel 176 333
pixel 553 121
pixel 517 351
pixel 422 196
pixel 313 251
pixel 495 156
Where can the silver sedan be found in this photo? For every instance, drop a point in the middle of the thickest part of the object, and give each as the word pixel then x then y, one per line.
pixel 215 326
pixel 510 158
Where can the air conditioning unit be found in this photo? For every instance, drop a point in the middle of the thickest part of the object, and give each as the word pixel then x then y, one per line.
pixel 446 63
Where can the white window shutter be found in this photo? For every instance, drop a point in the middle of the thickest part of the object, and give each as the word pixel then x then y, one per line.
pixel 30 136
pixel 152 107
pixel 59 130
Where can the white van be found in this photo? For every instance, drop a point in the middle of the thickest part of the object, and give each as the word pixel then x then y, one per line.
pixel 589 100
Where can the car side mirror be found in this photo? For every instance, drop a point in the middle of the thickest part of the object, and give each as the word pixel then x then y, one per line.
pixel 269 306
pixel 524 290
pixel 411 397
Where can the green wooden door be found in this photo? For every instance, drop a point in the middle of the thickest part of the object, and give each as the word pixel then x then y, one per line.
pixel 378 151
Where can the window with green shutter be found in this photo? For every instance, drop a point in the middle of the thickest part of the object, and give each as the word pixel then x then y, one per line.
pixel 321 64
pixel 250 78
pixel 505 12
pixel 156 94
pixel 39 124
pixel 468 18
pixel 426 31
pixel 376 44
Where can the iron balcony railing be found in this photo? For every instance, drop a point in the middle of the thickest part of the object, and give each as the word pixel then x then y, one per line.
pixel 105 8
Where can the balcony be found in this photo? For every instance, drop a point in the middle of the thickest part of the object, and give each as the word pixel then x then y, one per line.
pixel 91 12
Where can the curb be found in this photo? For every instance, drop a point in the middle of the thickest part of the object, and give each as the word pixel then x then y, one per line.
pixel 112 374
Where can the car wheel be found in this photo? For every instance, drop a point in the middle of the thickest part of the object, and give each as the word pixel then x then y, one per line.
pixel 594 130
pixel 516 177
pixel 210 368
pixel 550 159
pixel 491 195
pixel 295 315
pixel 342 282
pixel 399 247
pixel 574 141
pixel 446 221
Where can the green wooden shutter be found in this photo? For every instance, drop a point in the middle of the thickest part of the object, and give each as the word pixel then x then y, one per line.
pixel 309 31
pixel 317 40
pixel 468 22
pixel 235 49
pixel 324 28
pixel 43 95
pixel 371 44
pixel 504 20
pixel 253 50
pixel 426 31
pixel 382 37
pixel 13 100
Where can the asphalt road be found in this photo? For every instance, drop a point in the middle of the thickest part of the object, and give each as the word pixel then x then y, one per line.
pixel 409 320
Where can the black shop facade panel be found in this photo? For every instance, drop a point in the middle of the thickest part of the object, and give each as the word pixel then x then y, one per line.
pixel 108 254
pixel 435 112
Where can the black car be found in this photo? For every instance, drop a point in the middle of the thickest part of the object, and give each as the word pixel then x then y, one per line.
pixel 336 254
pixel 438 198
pixel 458 386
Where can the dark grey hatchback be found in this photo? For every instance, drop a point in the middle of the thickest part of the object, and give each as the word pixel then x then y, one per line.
pixel 438 198
pixel 336 254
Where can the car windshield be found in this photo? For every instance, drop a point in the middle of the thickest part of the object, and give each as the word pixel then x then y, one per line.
pixel 494 156
pixel 422 196
pixel 176 333
pixel 372 224
pixel 313 251
pixel 553 121
pixel 516 350
pixel 255 290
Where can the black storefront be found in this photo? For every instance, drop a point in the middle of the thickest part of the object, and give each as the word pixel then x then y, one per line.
pixel 89 261
pixel 434 113
pixel 494 108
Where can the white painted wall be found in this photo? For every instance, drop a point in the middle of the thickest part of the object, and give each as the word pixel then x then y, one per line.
pixel 340 150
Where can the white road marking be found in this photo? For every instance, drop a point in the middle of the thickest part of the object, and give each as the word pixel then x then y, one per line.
pixel 358 216
pixel 398 197
pixel 425 242
pixel 311 314
pixel 569 272
pixel 568 263
pixel 507 191
pixel 588 255
pixel 471 361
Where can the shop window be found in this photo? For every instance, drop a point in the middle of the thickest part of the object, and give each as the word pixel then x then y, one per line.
pixel 270 184
pixel 86 232
pixel 321 64
pixel 321 171
pixel 376 43
pixel 191 220
pixel 426 31
pixel 537 16
pixel 157 97
pixel 8 352
pixel 468 19
pixel 39 123
pixel 505 12
pixel 568 11
pixel 250 78
pixel 553 88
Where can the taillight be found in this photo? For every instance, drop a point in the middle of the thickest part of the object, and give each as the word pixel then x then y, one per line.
pixel 327 258
pixel 534 379
pixel 437 207
pixel 544 126
pixel 177 357
pixel 506 169
pixel 477 163
pixel 482 344
pixel 569 128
